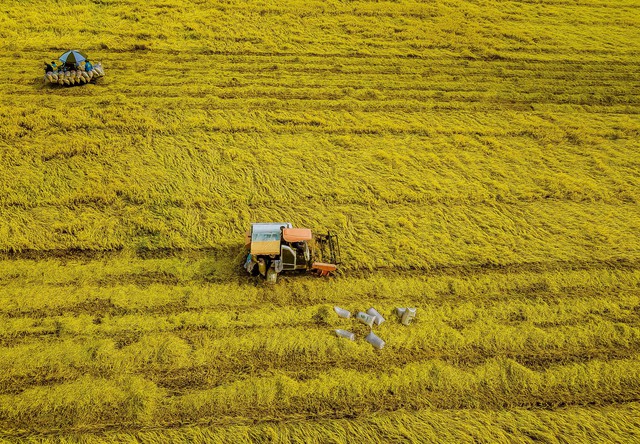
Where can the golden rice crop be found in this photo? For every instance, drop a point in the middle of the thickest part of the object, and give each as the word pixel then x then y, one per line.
pixel 479 161
pixel 518 425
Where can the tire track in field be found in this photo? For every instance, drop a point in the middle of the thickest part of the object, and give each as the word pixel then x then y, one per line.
pixel 195 333
pixel 146 278
pixel 437 66
pixel 608 59
pixel 572 85
pixel 418 129
pixel 42 430
pixel 459 73
pixel 179 381
pixel 534 91
pixel 105 307
pixel 302 367
pixel 85 256
pixel 357 424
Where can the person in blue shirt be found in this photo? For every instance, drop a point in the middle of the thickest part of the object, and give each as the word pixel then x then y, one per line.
pixel 87 65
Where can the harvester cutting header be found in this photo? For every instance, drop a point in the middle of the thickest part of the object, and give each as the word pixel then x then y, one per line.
pixel 277 247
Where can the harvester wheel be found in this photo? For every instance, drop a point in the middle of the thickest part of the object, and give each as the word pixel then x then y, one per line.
pixel 272 276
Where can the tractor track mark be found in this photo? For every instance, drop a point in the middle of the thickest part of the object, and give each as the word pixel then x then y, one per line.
pixel 513 268
pixel 301 367
pixel 453 82
pixel 523 56
pixel 13 431
pixel 101 307
pixel 205 377
pixel 365 130
pixel 87 255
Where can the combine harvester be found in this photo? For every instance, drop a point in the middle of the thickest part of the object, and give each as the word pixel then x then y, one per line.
pixel 277 247
pixel 74 69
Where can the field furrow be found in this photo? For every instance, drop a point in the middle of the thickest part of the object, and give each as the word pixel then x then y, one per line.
pixel 616 422
pixel 338 393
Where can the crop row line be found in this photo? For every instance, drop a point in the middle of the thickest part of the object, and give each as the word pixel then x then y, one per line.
pixel 293 128
pixel 25 128
pixel 111 200
pixel 195 324
pixel 497 384
pixel 516 55
pixel 275 347
pixel 614 422
pixel 186 379
pixel 129 296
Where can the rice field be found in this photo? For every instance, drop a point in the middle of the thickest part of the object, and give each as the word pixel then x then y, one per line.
pixel 478 159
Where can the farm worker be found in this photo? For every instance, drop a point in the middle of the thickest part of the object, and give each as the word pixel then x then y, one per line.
pixel 262 267
pixel 248 264
pixel 47 68
pixel 88 66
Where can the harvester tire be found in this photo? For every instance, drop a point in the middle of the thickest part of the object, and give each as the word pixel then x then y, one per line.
pixel 272 276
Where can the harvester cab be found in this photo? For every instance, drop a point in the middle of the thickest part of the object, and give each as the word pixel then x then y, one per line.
pixel 277 247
